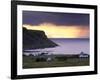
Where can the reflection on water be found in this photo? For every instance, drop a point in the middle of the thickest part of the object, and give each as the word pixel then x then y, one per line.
pixel 66 46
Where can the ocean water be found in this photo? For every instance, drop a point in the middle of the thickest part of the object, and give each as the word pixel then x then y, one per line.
pixel 66 46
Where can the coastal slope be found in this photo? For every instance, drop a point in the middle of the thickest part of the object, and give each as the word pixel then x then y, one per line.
pixel 36 39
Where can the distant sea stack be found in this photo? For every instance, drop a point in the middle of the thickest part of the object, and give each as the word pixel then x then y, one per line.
pixel 36 39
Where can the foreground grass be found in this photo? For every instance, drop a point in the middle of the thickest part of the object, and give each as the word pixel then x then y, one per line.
pixel 29 62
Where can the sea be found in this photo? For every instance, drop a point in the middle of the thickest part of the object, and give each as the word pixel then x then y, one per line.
pixel 65 46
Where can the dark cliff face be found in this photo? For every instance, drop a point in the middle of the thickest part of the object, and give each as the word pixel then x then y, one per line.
pixel 35 39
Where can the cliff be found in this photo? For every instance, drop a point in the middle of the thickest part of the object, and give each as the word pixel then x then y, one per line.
pixel 35 39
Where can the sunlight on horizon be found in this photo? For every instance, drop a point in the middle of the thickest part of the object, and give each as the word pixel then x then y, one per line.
pixel 61 31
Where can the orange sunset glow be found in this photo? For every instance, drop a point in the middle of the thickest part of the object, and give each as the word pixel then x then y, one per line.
pixel 60 31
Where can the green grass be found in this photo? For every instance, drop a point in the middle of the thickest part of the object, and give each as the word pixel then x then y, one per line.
pixel 29 62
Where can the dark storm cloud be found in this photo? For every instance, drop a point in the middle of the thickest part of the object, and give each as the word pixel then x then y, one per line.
pixel 35 18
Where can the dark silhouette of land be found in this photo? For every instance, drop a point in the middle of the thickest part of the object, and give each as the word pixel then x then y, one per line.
pixel 35 39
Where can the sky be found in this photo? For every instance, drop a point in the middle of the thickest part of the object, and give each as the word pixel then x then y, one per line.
pixel 58 25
